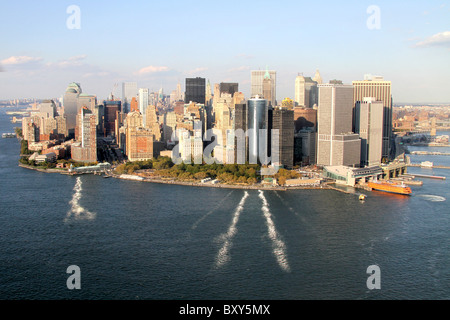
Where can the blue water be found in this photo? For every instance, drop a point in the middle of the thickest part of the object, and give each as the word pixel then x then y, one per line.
pixel 135 240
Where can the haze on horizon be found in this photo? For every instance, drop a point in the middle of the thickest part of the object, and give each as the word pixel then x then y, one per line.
pixel 158 44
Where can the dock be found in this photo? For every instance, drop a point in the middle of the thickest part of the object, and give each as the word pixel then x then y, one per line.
pixel 424 176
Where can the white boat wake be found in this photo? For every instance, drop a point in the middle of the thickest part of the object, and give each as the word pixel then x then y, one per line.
pixel 432 198
pixel 279 247
pixel 77 211
pixel 223 255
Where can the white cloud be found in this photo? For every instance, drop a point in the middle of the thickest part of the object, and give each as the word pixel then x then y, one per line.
pixel 152 69
pixel 74 61
pixel 20 60
pixel 238 69
pixel 196 70
pixel 438 39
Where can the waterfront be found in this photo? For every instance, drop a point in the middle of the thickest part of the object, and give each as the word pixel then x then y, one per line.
pixel 136 240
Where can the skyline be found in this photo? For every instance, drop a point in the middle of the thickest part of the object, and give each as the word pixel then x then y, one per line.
pixel 161 44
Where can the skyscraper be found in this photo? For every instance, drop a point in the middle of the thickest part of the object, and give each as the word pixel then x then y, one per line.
pixel 306 92
pixel 143 101
pixel 195 90
pixel 70 103
pixel 378 88
pixel 337 145
pixel 257 122
pixel 129 91
pixel 369 126
pixel 317 77
pixel 110 116
pixel 283 121
pixel 257 79
pixel 85 150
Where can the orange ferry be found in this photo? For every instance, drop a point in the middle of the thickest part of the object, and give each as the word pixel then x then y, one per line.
pixel 389 186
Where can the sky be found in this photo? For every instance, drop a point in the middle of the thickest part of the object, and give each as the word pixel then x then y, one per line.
pixel 45 45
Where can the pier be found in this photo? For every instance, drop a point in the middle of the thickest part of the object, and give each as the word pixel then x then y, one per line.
pixel 424 176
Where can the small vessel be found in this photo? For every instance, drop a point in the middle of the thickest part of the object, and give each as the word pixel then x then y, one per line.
pixel 8 135
pixel 390 186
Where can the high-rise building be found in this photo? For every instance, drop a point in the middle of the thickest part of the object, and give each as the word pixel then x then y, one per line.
pixel 317 78
pixel 306 92
pixel 337 145
pixel 48 107
pixel 139 144
pixel 110 116
pixel 283 121
pixel 257 122
pixel 195 90
pixel 369 126
pixel 228 87
pixel 208 94
pixel 70 103
pixel 85 150
pixel 134 105
pixel 87 100
pixel 257 80
pixel 378 88
pixel 143 101
pixel 305 118
pixel 129 91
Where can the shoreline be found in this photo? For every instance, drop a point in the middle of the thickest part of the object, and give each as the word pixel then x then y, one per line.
pixel 323 186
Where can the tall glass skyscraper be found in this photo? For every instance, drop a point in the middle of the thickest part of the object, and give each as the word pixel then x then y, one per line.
pixel 257 121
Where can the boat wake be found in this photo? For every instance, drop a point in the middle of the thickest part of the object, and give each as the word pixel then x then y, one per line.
pixel 279 247
pixel 77 212
pixel 194 226
pixel 223 255
pixel 432 198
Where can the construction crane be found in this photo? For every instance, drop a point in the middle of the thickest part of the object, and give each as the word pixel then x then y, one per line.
pixel 114 91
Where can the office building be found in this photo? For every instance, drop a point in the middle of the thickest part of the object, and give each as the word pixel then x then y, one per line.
pixel 257 84
pixel 48 108
pixel 195 90
pixel 143 101
pixel 283 121
pixel 111 108
pixel 228 87
pixel 257 130
pixel 378 88
pixel 129 91
pixel 305 118
pixel 70 104
pixel 85 150
pixel 336 144
pixel 369 126
pixel 306 92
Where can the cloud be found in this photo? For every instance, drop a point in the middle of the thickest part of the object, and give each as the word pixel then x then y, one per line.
pixel 438 39
pixel 19 60
pixel 196 70
pixel 74 61
pixel 152 69
pixel 238 69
